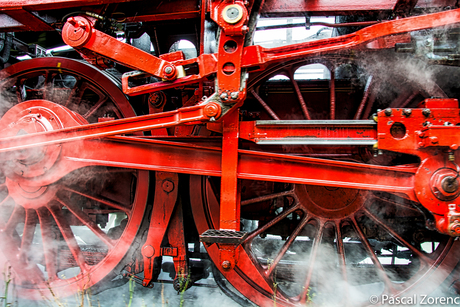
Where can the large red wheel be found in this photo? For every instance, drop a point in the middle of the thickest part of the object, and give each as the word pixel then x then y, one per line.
pixel 67 236
pixel 325 245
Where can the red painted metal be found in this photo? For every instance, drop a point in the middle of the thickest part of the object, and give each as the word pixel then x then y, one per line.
pixel 252 56
pixel 167 188
pixel 230 215
pixel 193 114
pixel 79 32
pixel 290 194
pixel 310 132
pixel 55 208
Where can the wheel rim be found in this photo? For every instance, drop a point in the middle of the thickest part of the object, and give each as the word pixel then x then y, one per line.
pixel 313 243
pixel 68 236
pixel 276 260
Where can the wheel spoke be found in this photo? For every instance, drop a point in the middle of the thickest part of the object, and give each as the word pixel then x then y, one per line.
pixel 69 237
pixel 7 199
pixel 374 258
pixel 278 218
pixel 100 200
pixel 88 223
pixel 46 89
pixel 287 245
pixel 303 105
pixel 49 247
pixel 15 218
pixel 73 91
pixel 332 92
pixel 399 204
pixel 314 254
pixel 264 105
pixel 341 253
pixel 265 197
pixel 95 107
pixel 342 263
pixel 422 256
pixel 409 99
pixel 29 230
pixel 18 86
pixel 364 100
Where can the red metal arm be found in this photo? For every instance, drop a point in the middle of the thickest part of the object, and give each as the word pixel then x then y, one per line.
pixel 79 33
pixel 201 112
pixel 256 56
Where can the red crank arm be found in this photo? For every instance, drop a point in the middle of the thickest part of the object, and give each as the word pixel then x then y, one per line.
pixel 256 55
pixel 78 32
pixel 198 113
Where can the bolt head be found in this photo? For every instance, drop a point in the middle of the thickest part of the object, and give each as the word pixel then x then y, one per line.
pixel 168 186
pixel 211 109
pixel 234 95
pixel 168 70
pixel 388 112
pixel 226 265
pixel 232 13
pixel 407 112
pixel 450 184
pixel 148 251
pixel 426 112
pixel 434 140
pixel 224 96
pixel 455 229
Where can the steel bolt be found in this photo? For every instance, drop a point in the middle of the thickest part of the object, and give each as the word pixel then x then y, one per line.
pixel 224 96
pixel 167 186
pixel 234 95
pixel 450 184
pixel 211 109
pixel 455 229
pixel 407 112
pixel 388 112
pixel 168 70
pixel 226 265
pixel 156 99
pixel 426 112
pixel 232 13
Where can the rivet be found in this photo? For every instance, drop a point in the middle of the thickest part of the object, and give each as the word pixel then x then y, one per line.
pixel 226 265
pixel 426 112
pixel 168 186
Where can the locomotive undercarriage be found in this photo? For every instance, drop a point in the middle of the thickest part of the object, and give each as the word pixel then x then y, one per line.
pixel 298 188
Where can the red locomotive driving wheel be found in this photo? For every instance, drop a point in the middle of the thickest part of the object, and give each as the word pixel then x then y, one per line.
pixel 65 233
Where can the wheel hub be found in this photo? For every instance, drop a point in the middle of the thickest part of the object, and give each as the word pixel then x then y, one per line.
pixel 34 116
pixel 444 184
pixel 330 202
